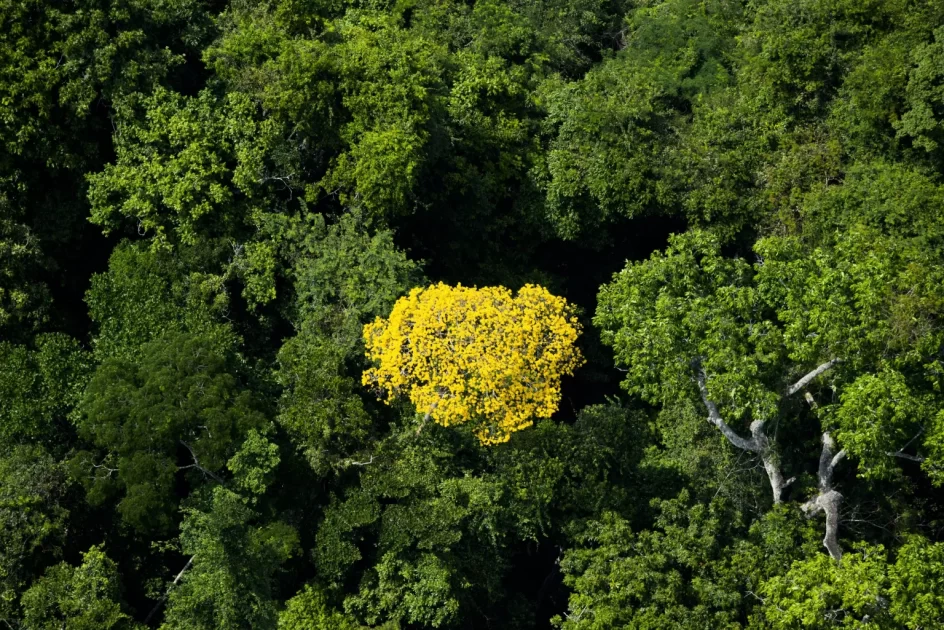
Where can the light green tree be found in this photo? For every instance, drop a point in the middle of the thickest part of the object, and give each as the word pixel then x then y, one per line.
pixel 745 340
pixel 83 597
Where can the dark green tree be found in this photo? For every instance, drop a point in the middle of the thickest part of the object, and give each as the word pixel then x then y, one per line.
pixel 38 389
pixel 179 410
pixel 343 278
pixel 34 521
pixel 234 550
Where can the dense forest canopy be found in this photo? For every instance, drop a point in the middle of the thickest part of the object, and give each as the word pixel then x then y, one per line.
pixel 667 277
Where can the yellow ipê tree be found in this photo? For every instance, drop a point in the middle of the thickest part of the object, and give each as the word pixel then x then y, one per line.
pixel 483 356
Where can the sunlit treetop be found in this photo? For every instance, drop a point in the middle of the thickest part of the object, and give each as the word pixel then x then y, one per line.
pixel 475 355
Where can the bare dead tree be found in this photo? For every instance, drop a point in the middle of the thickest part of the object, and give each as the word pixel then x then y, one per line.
pixel 828 498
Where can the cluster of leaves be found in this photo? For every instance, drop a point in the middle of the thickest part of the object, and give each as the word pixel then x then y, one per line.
pixel 476 354
pixel 226 226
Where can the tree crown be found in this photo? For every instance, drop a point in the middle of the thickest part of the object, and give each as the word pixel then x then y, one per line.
pixel 466 354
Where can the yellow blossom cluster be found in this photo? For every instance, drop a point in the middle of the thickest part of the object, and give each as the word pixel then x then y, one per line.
pixel 481 355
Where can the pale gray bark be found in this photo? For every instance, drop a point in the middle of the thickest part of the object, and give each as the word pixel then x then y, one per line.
pixel 914 458
pixel 163 598
pixel 758 443
pixel 367 463
pixel 714 417
pixel 777 483
pixel 828 499
pixel 803 382
pixel 901 452
pixel 196 464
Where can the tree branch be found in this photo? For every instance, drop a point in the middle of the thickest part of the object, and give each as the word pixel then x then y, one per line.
pixel 900 452
pixel 102 466
pixel 803 382
pixel 164 597
pixel 351 462
pixel 714 417
pixel 196 464
pixel 914 458
pixel 827 462
pixel 777 483
pixel 828 499
pixel 758 443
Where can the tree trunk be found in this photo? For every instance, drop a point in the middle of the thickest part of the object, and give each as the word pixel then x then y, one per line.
pixel 758 443
pixel 828 499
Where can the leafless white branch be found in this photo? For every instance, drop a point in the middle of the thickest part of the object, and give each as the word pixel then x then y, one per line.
pixel 803 382
pixel 901 452
pixel 196 464
pixel 163 598
pixel 758 443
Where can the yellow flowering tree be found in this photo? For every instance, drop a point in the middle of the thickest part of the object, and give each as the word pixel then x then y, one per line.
pixel 475 355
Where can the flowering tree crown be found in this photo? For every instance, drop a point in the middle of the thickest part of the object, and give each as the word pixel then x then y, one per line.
pixel 475 355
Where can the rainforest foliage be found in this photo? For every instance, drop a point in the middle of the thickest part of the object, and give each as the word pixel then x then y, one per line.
pixel 576 314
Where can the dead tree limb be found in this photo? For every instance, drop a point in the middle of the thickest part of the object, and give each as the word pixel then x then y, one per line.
pixel 351 462
pixel 914 458
pixel 901 452
pixel 196 464
pixel 166 594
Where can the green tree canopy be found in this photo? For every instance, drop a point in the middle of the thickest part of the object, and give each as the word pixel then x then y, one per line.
pixel 83 597
pixel 34 520
pixel 204 202
pixel 234 551
pixel 180 410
